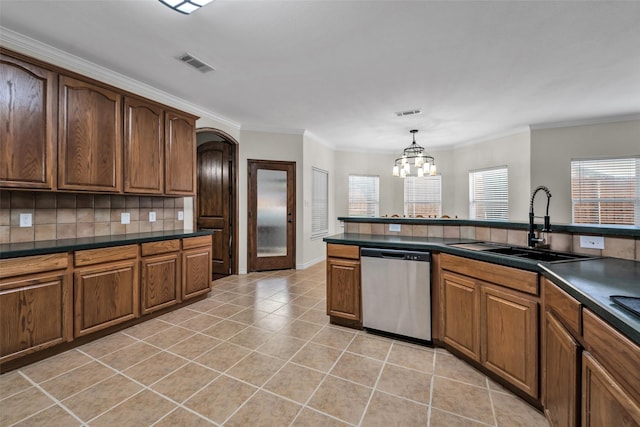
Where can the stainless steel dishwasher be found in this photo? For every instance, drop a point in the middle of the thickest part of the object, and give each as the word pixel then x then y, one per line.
pixel 396 292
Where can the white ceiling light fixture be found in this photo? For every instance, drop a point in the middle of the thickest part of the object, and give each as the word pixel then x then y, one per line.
pixel 185 6
pixel 414 161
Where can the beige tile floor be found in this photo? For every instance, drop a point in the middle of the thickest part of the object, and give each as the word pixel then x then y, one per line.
pixel 259 351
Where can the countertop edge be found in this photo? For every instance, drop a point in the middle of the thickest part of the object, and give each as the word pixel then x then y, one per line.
pixel 67 245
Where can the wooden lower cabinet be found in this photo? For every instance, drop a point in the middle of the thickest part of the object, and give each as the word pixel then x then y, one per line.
pixel 509 339
pixel 343 289
pixel 196 268
pixel 159 285
pixel 494 324
pixel 105 295
pixel 35 313
pixel 560 373
pixel 461 303
pixel 604 401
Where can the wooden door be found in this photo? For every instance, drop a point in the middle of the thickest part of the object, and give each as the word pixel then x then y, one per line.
pixel 343 289
pixel 105 295
pixel 272 215
pixel 214 202
pixel 27 150
pixel 509 343
pixel 143 147
pixel 35 313
pixel 560 374
pixel 160 279
pixel 180 154
pixel 604 401
pixel 461 302
pixel 89 137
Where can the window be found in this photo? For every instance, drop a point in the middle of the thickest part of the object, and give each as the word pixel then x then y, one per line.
pixel 364 195
pixel 319 203
pixel 606 191
pixel 422 196
pixel 489 193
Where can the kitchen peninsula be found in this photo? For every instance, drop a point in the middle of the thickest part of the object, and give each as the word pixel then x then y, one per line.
pixel 502 313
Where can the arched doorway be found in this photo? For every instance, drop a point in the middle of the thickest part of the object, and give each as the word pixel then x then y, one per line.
pixel 216 204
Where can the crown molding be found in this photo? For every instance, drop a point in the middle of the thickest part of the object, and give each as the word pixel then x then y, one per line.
pixel 44 52
pixel 268 129
pixel 494 136
pixel 587 121
pixel 319 140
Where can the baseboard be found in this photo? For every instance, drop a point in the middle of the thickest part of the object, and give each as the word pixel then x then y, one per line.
pixel 310 263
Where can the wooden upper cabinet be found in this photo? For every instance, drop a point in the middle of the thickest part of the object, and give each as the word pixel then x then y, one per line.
pixel 143 146
pixel 180 154
pixel 27 151
pixel 89 137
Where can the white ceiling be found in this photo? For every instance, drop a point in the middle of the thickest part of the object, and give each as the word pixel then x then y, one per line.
pixel 340 69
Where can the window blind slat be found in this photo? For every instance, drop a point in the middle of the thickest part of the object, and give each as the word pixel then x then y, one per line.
pixel 364 195
pixel 605 191
pixel 319 203
pixel 489 194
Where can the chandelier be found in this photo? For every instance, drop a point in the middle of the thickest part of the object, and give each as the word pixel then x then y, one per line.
pixel 414 161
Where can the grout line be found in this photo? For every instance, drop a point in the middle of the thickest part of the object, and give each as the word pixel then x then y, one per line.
pixel 493 409
pixel 375 385
pixel 433 375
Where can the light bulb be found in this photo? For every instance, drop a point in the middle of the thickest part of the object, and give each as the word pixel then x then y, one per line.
pixel 396 171
pixel 420 172
pixel 403 173
pixel 432 170
pixel 419 161
pixel 407 168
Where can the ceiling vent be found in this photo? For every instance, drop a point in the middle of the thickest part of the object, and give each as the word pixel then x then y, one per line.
pixel 199 65
pixel 408 112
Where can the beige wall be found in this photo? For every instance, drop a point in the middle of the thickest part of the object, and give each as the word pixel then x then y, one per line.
pixel 553 149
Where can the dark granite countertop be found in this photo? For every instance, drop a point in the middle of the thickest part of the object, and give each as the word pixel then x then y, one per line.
pixel 14 250
pixel 609 230
pixel 590 281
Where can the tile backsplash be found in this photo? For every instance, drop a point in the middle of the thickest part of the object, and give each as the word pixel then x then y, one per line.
pixel 65 216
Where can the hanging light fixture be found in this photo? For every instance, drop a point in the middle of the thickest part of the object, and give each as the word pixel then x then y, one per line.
pixel 185 6
pixel 414 161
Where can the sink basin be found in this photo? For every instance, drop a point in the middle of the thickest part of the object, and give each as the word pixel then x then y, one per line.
pixel 536 254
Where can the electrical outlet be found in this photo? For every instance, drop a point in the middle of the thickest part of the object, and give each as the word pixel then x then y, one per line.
pixel 125 218
pixel 180 216
pixel 26 220
pixel 394 227
pixel 152 217
pixel 592 242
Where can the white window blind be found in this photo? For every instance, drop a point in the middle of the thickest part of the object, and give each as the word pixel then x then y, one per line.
pixel 422 196
pixel 364 195
pixel 606 191
pixel 320 203
pixel 489 194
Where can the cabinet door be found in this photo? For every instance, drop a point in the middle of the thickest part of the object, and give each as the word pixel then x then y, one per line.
pixel 560 374
pixel 160 279
pixel 28 126
pixel 105 295
pixel 461 302
pixel 180 154
pixel 509 325
pixel 196 272
pixel 35 313
pixel 604 402
pixel 89 137
pixel 343 289
pixel 143 147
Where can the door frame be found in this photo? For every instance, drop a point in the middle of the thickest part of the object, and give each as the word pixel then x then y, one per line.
pixel 252 237
pixel 235 147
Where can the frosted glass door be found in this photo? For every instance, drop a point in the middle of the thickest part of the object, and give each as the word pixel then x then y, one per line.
pixel 272 213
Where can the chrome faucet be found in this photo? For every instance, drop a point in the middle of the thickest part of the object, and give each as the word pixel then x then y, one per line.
pixel 532 240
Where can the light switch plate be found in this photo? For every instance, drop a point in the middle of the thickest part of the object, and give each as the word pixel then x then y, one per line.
pixel 592 242
pixel 125 218
pixel 394 227
pixel 26 220
pixel 180 216
pixel 152 217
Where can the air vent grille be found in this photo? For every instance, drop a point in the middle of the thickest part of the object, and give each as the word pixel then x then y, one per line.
pixel 408 112
pixel 196 63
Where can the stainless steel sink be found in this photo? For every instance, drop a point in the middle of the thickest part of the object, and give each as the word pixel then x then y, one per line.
pixel 521 252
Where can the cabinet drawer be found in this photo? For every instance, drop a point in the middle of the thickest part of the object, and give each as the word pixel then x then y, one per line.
pixel 617 353
pixel 196 242
pixel 97 256
pixel 520 280
pixel 33 264
pixel 162 247
pixel 343 251
pixel 563 305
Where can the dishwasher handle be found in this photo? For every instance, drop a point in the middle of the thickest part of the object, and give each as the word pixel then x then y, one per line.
pixel 395 254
